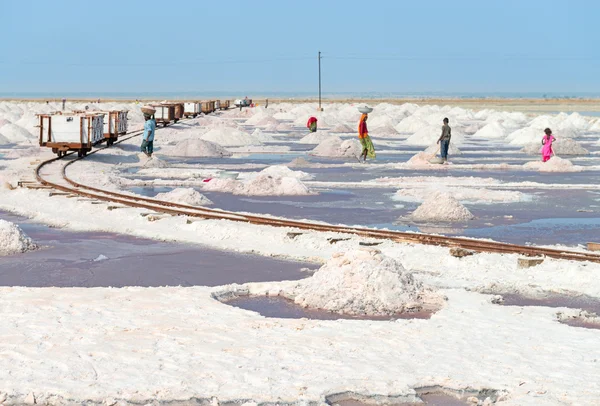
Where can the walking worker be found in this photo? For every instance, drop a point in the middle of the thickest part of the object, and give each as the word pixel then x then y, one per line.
pixel 547 141
pixel 312 124
pixel 149 129
pixel 444 140
pixel 365 141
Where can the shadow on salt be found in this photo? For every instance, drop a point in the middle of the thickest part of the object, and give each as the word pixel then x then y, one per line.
pixel 283 308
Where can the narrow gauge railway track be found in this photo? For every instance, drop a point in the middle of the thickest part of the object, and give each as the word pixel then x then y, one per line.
pixel 70 186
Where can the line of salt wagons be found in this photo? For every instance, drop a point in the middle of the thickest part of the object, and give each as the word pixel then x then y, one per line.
pixel 80 131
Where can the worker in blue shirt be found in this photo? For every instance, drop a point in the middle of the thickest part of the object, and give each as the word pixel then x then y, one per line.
pixel 148 137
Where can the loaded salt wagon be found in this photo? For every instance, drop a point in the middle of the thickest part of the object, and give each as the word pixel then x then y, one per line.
pixel 165 113
pixel 208 107
pixel 115 124
pixel 224 105
pixel 191 109
pixel 71 132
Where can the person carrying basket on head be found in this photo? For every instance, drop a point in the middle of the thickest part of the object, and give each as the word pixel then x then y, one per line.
pixel 368 150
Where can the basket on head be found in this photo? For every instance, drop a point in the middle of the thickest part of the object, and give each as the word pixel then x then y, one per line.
pixel 148 110
pixel 365 109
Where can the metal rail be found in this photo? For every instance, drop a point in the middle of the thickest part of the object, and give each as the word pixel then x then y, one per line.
pixel 172 208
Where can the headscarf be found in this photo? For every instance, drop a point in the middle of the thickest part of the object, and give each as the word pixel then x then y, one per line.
pixel 362 126
pixel 311 120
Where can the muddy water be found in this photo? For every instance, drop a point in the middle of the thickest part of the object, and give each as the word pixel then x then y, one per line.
pixel 431 399
pixel 280 307
pixel 84 259
pixel 583 302
pixel 587 303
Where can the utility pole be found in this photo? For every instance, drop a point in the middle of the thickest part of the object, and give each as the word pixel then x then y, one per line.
pixel 320 109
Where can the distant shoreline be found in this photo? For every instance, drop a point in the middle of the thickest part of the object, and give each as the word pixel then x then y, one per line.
pixel 533 105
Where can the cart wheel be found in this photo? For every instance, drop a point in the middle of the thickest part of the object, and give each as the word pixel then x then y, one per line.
pixel 59 154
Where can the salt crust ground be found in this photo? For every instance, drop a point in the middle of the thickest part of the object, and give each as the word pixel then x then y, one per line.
pixel 462 194
pixel 94 343
pixel 432 265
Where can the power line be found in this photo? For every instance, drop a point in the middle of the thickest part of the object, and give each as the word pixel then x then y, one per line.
pixel 173 63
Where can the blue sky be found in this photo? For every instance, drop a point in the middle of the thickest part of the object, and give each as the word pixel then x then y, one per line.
pixel 271 46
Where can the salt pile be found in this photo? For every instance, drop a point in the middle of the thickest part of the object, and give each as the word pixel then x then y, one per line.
pixel 187 196
pixel 15 133
pixel 283 171
pixel 267 185
pixel 13 240
pixel 315 138
pixel 151 162
pixel 341 128
pixel 336 148
pixel 430 134
pixel 364 282
pixel 491 131
pixel 422 158
pixel 198 148
pixel 284 127
pixel 411 124
pixel 261 185
pixel 452 149
pixel 229 136
pixel 441 206
pixel 566 146
pixel 300 162
pixel 261 136
pixel 555 164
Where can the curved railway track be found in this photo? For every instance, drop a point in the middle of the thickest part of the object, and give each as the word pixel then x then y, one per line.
pixel 68 185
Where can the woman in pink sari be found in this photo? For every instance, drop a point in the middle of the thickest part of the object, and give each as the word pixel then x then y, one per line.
pixel 547 141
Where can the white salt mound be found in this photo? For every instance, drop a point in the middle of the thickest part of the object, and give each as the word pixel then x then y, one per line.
pixel 151 162
pixel 13 240
pixel 555 164
pixel 336 148
pixel 491 131
pixel 187 196
pixel 441 207
pixel 452 150
pixel 364 282
pixel 261 185
pixel 283 171
pixel 198 148
pixel 315 138
pixel 229 136
pixel 267 185
pixel 422 158
pixel 341 128
pixel 566 146
pixel 4 140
